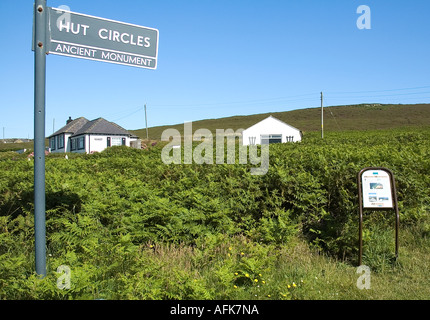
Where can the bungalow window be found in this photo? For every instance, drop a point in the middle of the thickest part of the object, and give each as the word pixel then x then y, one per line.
pixel 60 141
pixel 116 141
pixel 81 143
pixel 271 138
pixel 52 143
pixel 72 144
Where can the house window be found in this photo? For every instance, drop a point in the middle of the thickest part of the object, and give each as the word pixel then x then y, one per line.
pixel 116 141
pixel 252 140
pixel 271 138
pixel 60 141
pixel 72 144
pixel 108 142
pixel 81 143
pixel 52 143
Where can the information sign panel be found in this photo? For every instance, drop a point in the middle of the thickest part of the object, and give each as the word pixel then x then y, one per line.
pixel 377 189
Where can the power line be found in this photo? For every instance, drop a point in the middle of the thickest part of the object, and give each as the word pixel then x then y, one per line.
pixel 247 102
pixel 385 98
pixel 373 91
pixel 386 95
pixel 307 97
pixel 129 114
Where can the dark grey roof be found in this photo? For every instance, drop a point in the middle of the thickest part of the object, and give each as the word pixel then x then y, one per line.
pixel 71 127
pixel 101 126
pixel 98 126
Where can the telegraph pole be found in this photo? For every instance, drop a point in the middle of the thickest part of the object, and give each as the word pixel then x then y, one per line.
pixel 146 121
pixel 40 18
pixel 322 116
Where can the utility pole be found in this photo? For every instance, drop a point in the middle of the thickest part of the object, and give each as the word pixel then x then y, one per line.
pixel 322 116
pixel 146 121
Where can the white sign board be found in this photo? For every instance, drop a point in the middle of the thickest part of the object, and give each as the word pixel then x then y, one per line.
pixel 377 189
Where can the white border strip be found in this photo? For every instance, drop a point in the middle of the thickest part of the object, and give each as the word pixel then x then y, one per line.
pixel 107 61
pixel 104 49
pixel 86 15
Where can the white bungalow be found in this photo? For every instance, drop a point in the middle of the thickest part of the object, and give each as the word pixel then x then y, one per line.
pixel 270 130
pixel 84 136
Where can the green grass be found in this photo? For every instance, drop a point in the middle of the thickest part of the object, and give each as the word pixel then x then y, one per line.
pixel 229 271
pixel 298 272
pixel 131 227
pixel 336 118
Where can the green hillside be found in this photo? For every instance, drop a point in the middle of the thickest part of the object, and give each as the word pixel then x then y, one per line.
pixel 336 118
pixel 132 227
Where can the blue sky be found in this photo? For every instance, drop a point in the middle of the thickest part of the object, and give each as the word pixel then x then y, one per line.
pixel 220 58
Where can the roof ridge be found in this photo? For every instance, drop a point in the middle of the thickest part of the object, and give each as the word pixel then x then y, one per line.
pixel 117 125
pixel 94 123
pixel 70 127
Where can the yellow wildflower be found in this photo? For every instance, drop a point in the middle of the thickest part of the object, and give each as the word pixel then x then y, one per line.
pixel 255 280
pixel 246 275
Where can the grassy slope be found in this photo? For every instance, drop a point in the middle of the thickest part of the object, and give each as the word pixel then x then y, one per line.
pixel 317 277
pixel 337 118
pixel 323 277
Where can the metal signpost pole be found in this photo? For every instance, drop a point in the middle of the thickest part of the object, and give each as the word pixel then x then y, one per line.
pixel 96 39
pixel 40 18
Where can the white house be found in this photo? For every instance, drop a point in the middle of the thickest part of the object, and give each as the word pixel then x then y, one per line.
pixel 84 136
pixel 270 130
